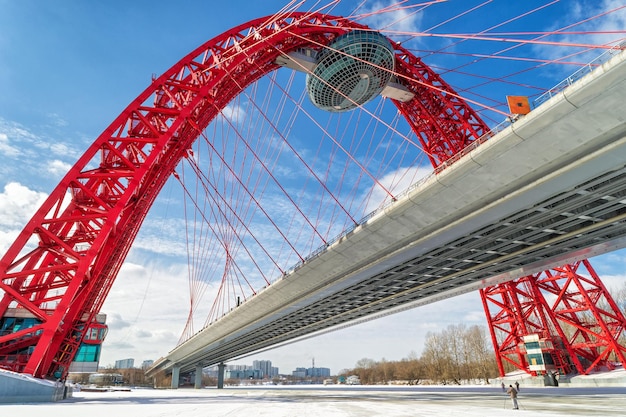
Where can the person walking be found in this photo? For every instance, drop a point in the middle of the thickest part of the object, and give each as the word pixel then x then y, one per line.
pixel 513 394
pixel 517 386
pixel 503 387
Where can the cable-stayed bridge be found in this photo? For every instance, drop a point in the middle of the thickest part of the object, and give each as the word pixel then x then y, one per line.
pixel 501 205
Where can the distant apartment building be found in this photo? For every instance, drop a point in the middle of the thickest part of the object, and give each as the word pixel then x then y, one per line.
pixel 242 374
pixel 147 363
pixel 311 373
pixel 259 370
pixel 238 367
pixel 125 363
pixel 266 368
pixel 318 372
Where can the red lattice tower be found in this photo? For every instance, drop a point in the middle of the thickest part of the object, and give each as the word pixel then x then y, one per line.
pixel 572 313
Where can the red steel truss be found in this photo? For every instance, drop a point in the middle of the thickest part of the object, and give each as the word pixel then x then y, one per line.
pixel 63 264
pixel 572 313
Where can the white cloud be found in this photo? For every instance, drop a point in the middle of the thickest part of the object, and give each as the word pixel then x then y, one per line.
pixel 7 237
pixel 395 182
pixel 580 11
pixel 58 168
pixel 62 149
pixel 22 151
pixel 18 203
pixel 15 136
pixel 615 21
pixel 398 19
pixel 613 283
pixel 234 113
pixel 57 120
pixel 115 321
pixel 6 148
pixel 146 311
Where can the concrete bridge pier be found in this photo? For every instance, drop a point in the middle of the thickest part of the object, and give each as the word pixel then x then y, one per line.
pixel 220 375
pixel 175 376
pixel 198 380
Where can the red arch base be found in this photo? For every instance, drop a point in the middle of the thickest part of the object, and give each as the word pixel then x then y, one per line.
pixel 560 320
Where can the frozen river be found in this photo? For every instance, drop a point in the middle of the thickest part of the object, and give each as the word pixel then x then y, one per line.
pixel 332 401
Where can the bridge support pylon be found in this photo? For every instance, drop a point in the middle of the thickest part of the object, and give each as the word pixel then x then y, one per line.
pixel 220 375
pixel 560 320
pixel 198 380
pixel 175 377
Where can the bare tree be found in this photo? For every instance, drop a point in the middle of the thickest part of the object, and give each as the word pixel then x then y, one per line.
pixel 481 357
pixel 437 358
pixel 365 370
pixel 410 369
pixel 456 355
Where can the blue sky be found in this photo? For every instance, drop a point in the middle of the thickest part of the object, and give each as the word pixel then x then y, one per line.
pixel 67 69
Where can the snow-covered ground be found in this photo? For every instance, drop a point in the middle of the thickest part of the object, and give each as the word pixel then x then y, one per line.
pixel 332 401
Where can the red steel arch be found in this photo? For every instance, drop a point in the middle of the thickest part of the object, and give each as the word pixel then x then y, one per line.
pixel 63 264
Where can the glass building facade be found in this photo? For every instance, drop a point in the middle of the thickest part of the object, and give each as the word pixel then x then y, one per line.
pixel 88 355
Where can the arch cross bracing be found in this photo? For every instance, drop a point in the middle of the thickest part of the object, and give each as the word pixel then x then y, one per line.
pixel 63 264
